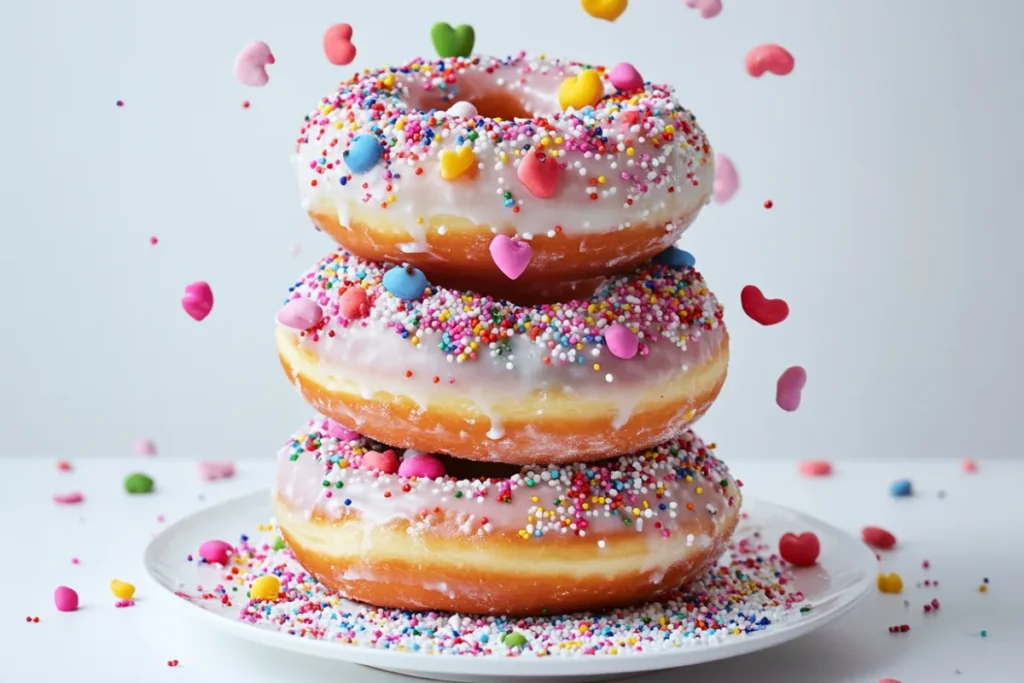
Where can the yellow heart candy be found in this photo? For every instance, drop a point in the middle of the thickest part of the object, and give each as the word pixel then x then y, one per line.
pixel 265 588
pixel 122 589
pixel 890 583
pixel 584 90
pixel 609 10
pixel 456 162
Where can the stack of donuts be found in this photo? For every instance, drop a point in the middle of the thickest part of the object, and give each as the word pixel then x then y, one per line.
pixel 506 350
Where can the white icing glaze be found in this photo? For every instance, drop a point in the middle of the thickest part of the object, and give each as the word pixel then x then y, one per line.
pixel 649 163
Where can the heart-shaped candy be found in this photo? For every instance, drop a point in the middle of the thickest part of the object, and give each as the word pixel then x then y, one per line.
pixel 901 488
pixel 144 447
pixel 353 304
pixel 969 466
pixel 340 432
pixel 463 110
pixel 727 180
pixel 789 388
pixel 300 314
pixel 338 45
pixel 385 462
pixel 800 551
pixel 877 537
pixel 708 8
pixel 456 162
pixel 363 153
pixel 422 465
pixel 68 498
pixel 609 10
pixel 815 468
pixel 198 300
pixel 452 41
pixel 511 256
pixel 580 91
pixel 212 470
pixel 625 77
pixel 676 258
pixel 251 64
pixel 539 173
pixel 771 58
pixel 216 552
pixel 890 583
pixel 762 310
pixel 406 283
pixel 621 341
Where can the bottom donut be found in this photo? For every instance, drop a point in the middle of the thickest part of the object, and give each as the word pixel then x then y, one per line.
pixel 421 532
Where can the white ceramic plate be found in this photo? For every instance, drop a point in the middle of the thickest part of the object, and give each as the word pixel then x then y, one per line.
pixel 844 573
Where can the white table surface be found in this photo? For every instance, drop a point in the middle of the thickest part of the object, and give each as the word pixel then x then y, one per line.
pixel 972 532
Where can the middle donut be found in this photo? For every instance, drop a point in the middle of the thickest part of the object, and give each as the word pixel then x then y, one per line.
pixel 379 350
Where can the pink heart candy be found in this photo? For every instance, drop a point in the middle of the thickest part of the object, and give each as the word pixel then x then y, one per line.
pixel 198 300
pixel 626 78
pixel 815 468
pixel 251 64
pixel 211 470
pixel 708 8
pixel 144 447
pixel 463 110
pixel 771 58
pixel 969 466
pixel 621 341
pixel 353 304
pixel 789 387
pixel 539 173
pixel 68 498
pixel 385 462
pixel 340 432
pixel 300 314
pixel 511 256
pixel 216 552
pixel 727 181
pixel 65 599
pixel 422 465
pixel 338 45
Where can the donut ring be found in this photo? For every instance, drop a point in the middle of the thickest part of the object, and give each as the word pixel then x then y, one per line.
pixel 554 539
pixel 428 162
pixel 457 373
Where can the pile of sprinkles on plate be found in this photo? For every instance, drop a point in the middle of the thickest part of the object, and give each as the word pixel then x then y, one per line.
pixel 746 593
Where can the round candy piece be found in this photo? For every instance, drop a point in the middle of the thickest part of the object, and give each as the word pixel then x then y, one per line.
pixel 265 588
pixel 422 465
pixel 138 483
pixel 901 488
pixel 216 552
pixel 363 154
pixel 122 589
pixel 621 341
pixel 66 599
pixel 406 283
pixel 677 258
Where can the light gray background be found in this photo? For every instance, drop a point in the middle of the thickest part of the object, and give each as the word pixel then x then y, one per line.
pixel 891 154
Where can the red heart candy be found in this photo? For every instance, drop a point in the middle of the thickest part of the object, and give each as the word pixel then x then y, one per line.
pixel 762 310
pixel 877 537
pixel 539 173
pixel 802 550
pixel 385 462
pixel 772 58
pixel 338 45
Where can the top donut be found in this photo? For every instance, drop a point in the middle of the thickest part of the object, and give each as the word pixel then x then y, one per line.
pixel 521 178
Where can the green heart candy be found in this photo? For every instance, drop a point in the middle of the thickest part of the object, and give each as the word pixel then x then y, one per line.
pixel 452 42
pixel 138 483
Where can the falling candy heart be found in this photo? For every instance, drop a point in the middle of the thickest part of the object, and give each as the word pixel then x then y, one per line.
pixel 363 153
pixel 771 58
pixel 452 42
pixel 198 300
pixel 708 8
pixel 422 465
pixel 385 462
pixel 406 283
pixel 877 537
pixel 251 64
pixel 609 10
pixel 338 45
pixel 353 304
pixel 463 110
pixel 789 388
pixel 762 310
pixel 539 173
pixel 890 583
pixel 802 550
pixel 511 256
pixel 626 78
pixel 68 498
pixel 676 258
pixel 727 181
pixel 580 91
pixel 815 468
pixel 621 341
pixel 300 314
pixel 212 470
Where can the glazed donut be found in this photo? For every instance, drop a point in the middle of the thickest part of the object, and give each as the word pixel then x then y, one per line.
pixel 416 366
pixel 411 532
pixel 590 170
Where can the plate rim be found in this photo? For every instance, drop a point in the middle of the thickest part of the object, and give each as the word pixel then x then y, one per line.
pixel 526 667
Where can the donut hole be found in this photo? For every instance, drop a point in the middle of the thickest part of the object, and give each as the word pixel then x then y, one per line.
pixel 491 99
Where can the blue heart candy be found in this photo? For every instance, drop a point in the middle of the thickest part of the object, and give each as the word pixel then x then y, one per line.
pixel 676 258
pixel 901 488
pixel 363 154
pixel 406 283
